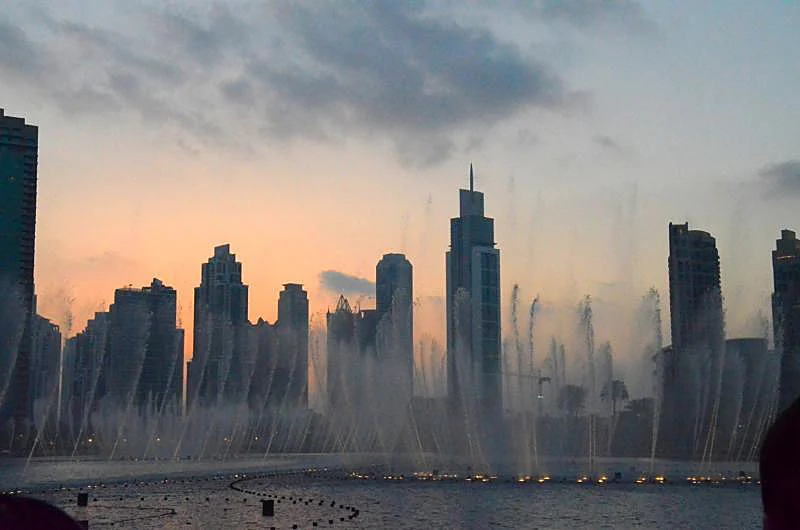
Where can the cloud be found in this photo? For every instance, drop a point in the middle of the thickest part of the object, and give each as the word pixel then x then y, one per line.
pixel 341 283
pixel 607 143
pixel 592 13
pixel 19 57
pixel 527 138
pixel 782 179
pixel 391 72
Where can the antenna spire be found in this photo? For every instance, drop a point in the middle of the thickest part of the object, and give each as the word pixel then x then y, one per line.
pixel 471 178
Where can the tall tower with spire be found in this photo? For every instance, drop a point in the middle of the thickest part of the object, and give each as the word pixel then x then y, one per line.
pixel 473 307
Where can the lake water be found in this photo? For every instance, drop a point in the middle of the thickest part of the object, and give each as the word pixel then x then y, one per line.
pixel 198 494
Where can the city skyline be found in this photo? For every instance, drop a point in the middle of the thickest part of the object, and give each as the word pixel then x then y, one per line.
pixel 350 284
pixel 584 173
pixel 716 391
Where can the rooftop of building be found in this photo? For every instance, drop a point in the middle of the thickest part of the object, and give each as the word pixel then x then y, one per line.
pixel 222 250
pixel 13 120
pixel 394 256
pixel 156 284
pixel 684 228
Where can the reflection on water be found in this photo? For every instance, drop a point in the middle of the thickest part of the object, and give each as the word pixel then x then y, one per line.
pixel 174 494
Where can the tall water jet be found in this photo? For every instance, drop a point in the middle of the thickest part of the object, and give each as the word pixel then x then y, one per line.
pixel 465 386
pixel 715 366
pixel 538 380
pixel 531 321
pixel 524 421
pixel 517 340
pixel 611 391
pixel 587 327
pixel 652 303
pixel 12 320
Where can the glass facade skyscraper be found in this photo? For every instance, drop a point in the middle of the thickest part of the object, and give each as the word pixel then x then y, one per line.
pixel 473 306
pixel 786 314
pixel 18 172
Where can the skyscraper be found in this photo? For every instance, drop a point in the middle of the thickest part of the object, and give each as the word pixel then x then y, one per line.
pixel 692 374
pixel 694 289
pixel 220 327
pixel 292 328
pixel 18 169
pixel 145 348
pixel 786 314
pixel 351 356
pixel 341 355
pixel 85 372
pixel 394 293
pixel 45 362
pixel 473 306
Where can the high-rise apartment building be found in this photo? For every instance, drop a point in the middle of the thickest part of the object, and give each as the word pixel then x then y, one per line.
pixel 473 306
pixel 145 347
pixel 394 294
pixel 220 330
pixel 351 375
pixel 292 327
pixel 341 348
pixel 786 314
pixel 85 368
pixel 18 170
pixel 693 373
pixel 45 363
pixel 694 289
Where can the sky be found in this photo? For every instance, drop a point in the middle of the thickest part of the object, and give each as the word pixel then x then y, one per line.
pixel 316 136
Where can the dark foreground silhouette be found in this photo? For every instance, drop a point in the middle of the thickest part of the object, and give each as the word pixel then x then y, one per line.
pixel 18 512
pixel 779 468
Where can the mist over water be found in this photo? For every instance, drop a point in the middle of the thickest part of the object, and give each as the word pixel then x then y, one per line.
pixel 567 399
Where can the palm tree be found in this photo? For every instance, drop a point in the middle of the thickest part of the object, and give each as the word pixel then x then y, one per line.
pixel 572 399
pixel 614 391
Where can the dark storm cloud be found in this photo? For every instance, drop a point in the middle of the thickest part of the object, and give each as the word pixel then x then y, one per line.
pixel 782 179
pixel 341 283
pixel 385 71
pixel 389 68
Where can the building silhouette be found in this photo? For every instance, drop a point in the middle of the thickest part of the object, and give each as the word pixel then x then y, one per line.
pixel 351 348
pixel 394 295
pixel 45 364
pixel 85 368
pixel 340 369
pixel 786 314
pixel 749 388
pixel 693 368
pixel 278 355
pixel 292 327
pixel 220 332
pixel 18 172
pixel 473 307
pixel 145 348
pixel 262 393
